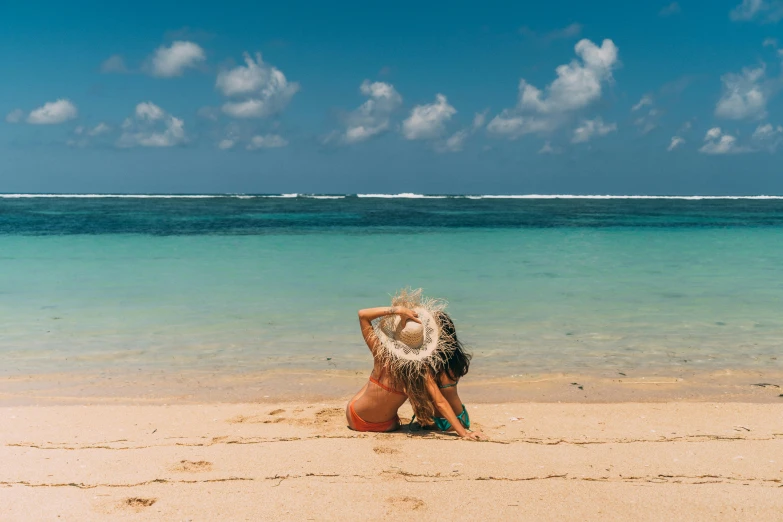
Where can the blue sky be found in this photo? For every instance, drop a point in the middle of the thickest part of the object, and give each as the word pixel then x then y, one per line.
pixel 430 97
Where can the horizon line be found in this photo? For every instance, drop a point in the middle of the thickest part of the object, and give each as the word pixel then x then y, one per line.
pixel 295 195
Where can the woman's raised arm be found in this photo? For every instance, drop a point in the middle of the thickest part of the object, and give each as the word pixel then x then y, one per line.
pixel 368 315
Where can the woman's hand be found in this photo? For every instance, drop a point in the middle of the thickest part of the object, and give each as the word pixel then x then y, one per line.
pixel 406 313
pixel 473 435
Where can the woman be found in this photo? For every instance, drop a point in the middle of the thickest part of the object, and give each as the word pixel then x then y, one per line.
pixel 409 350
pixel 446 380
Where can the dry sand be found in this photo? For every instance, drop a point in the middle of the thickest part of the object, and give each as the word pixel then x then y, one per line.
pixel 298 461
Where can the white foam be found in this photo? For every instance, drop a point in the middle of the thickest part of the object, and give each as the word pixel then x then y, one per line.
pixel 404 195
pixel 320 196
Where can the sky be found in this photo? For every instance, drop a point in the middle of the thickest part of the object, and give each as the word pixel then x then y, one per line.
pixel 558 97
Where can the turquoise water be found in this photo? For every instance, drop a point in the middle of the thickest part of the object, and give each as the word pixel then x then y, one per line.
pixel 242 285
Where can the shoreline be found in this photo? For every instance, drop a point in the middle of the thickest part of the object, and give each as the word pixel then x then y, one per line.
pixel 205 387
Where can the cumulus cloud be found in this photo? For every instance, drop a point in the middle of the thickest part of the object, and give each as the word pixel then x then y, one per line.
pixel 373 116
pixel 52 113
pixel 114 64
pixel 151 126
pixel 770 42
pixel 744 96
pixel 171 61
pixel 717 142
pixel 15 116
pixel 671 9
pixel 428 121
pixel 257 89
pixel 589 128
pixel 578 84
pixel 267 141
pixel 676 142
pixel 770 11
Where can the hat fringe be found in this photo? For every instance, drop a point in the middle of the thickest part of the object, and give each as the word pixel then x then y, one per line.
pixel 404 370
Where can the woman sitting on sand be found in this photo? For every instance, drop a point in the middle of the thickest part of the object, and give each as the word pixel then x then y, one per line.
pixel 416 354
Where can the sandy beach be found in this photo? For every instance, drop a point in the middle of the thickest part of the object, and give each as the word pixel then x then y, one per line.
pixel 297 461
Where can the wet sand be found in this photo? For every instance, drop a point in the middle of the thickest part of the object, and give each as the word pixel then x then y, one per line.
pixel 298 461
pixel 147 386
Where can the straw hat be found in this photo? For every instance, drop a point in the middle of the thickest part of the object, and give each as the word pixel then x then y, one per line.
pixel 406 345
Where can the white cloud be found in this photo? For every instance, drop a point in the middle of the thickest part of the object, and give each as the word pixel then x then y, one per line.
pixel 767 131
pixel 646 100
pixel 512 126
pixel 716 142
pixel 53 112
pixel 171 61
pixel 83 134
pixel 549 149
pixel 578 84
pixel 765 10
pixel 151 126
pixel 456 141
pixel 114 64
pixel 149 111
pixel 264 89
pixel 373 116
pixel 590 128
pixel 428 121
pixel 676 142
pixel 226 144
pixel 770 42
pixel 268 141
pixel 670 9
pixel 769 136
pixel 743 95
pixel 15 116
pixel 99 129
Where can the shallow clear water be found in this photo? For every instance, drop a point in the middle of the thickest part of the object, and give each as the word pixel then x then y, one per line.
pixel 248 284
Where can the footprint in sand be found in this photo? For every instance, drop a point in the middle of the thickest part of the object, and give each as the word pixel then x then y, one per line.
pixel 385 450
pixel 257 419
pixel 138 503
pixel 407 503
pixel 189 466
pixel 329 414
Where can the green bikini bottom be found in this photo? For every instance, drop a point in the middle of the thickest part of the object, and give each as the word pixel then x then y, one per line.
pixel 444 425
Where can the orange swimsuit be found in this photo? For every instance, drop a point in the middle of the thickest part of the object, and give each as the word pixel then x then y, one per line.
pixel 360 424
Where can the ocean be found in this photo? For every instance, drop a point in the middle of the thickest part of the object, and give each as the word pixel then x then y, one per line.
pixel 244 284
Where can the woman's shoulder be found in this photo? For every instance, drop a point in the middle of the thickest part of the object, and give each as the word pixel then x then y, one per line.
pixel 444 381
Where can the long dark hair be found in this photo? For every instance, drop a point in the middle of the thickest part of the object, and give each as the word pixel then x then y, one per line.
pixel 454 367
pixel 458 363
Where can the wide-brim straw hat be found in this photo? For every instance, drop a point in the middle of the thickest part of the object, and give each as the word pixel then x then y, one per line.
pixel 407 346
